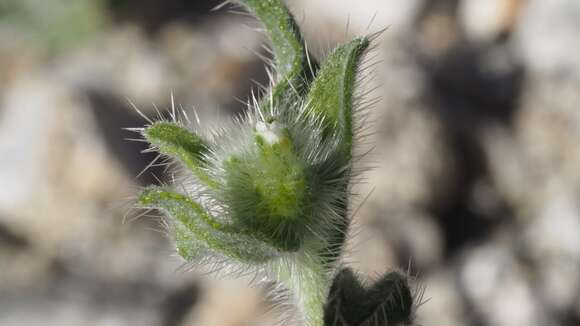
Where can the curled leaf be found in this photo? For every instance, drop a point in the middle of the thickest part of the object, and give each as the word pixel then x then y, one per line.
pixel 180 143
pixel 190 217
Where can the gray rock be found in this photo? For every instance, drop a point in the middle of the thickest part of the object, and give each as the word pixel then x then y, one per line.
pixel 547 35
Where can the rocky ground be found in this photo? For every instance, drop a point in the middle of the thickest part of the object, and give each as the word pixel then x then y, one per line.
pixel 476 147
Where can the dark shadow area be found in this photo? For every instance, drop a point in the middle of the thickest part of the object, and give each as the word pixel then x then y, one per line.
pixel 177 304
pixel 461 223
pixel 468 91
pixel 112 115
pixel 153 14
pixel 472 91
pixel 10 238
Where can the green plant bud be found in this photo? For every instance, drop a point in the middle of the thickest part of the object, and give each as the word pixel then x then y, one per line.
pixel 267 188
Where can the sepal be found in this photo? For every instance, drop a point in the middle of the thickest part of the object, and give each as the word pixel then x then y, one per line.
pixel 389 301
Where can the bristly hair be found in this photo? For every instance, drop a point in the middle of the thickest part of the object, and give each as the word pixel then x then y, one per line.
pixel 319 153
pixel 292 244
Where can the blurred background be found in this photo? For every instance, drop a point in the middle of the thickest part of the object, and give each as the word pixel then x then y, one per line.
pixel 476 156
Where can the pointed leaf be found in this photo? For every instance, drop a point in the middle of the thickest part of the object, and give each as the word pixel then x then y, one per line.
pixel 391 301
pixel 344 300
pixel 332 92
pixel 178 142
pixel 287 45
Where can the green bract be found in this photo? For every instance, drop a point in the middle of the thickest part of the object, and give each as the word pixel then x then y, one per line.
pixel 269 193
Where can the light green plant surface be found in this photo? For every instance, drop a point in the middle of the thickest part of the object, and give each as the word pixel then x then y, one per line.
pixel 269 193
pixel 53 25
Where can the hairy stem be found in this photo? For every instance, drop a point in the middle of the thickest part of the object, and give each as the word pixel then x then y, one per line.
pixel 309 285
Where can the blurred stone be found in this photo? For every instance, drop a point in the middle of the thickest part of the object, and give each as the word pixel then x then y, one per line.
pixel 496 285
pixel 485 200
pixel 551 239
pixel 64 189
pixel 368 252
pixel 509 169
pixel 547 127
pixel 437 31
pixel 538 160
pixel 404 238
pixel 210 67
pixel 326 23
pixel 482 271
pixel 122 63
pixel 408 139
pixel 443 305
pixel 50 312
pixel 64 192
pixel 486 21
pixel 421 237
pixel 548 36
pixel 559 283
pixel 241 304
pixel 412 158
pixel 482 20
pixel 207 67
pixel 555 230
pixel 16 57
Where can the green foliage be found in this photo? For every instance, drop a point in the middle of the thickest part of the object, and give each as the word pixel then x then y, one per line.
pixel 287 45
pixel 270 191
pixel 283 32
pixel 180 143
pixel 332 91
pixel 193 224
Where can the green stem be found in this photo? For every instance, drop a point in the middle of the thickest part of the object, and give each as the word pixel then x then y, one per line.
pixel 309 283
